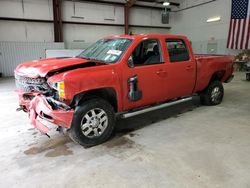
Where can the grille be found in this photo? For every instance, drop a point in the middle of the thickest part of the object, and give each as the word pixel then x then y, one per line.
pixel 27 84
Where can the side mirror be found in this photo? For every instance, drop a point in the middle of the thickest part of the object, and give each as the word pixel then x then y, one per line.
pixel 130 62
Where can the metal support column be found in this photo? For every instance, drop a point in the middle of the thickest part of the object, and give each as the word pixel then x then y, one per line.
pixel 57 20
pixel 126 12
pixel 129 4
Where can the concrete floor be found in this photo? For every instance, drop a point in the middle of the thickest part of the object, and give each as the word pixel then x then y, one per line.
pixel 183 146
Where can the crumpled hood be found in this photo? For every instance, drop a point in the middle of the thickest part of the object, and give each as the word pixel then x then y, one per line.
pixel 40 68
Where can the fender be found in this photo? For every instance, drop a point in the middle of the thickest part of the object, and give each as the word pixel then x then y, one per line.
pixel 216 68
pixel 82 80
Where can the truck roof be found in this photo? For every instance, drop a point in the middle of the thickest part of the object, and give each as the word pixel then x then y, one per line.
pixel 152 35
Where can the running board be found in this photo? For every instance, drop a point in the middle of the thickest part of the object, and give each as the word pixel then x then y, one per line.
pixel 131 114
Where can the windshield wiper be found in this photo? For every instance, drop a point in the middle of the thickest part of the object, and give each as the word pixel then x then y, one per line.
pixel 100 61
pixel 89 58
pixel 83 57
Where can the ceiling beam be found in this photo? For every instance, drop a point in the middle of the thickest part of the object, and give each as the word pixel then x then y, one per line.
pixel 197 5
pixel 118 3
pixel 130 3
pixel 161 2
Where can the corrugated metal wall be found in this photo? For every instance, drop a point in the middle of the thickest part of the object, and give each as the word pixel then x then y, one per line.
pixel 13 53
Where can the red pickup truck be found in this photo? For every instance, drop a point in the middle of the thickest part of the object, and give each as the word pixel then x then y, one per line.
pixel 118 76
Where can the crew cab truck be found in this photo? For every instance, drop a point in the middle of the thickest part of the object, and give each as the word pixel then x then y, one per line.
pixel 120 76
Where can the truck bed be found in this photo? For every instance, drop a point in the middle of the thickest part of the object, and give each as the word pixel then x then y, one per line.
pixel 207 64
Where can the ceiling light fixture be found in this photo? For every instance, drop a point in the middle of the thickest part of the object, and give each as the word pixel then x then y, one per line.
pixel 214 19
pixel 165 3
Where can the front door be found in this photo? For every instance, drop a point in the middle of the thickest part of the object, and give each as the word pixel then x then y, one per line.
pixel 144 83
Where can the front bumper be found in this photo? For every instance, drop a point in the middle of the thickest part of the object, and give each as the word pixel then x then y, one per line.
pixel 25 98
pixel 42 108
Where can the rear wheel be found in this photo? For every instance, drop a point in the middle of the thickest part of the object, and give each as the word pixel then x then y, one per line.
pixel 213 94
pixel 93 122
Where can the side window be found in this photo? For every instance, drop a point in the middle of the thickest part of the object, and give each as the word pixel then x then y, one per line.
pixel 147 53
pixel 177 50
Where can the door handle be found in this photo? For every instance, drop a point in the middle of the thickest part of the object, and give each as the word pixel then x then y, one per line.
pixel 189 67
pixel 161 72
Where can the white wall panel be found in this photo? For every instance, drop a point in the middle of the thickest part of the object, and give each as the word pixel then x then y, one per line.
pixel 87 34
pixel 71 11
pixel 156 18
pixel 140 16
pixel 92 12
pixel 68 10
pixel 38 9
pixel 11 8
pixel 63 53
pixel 26 31
pixel 148 17
pixel 139 30
pixel 119 15
pixel 43 32
pixel 12 31
pixel 193 21
pixel 200 47
pixel 33 9
pixel 101 12
pixel 30 39
pixel 14 53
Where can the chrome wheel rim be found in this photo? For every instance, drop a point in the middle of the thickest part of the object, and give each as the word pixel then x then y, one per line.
pixel 94 123
pixel 216 94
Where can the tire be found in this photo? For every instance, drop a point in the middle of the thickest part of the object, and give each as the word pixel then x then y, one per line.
pixel 213 94
pixel 88 129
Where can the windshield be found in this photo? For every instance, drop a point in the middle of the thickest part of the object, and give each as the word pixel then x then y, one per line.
pixel 106 50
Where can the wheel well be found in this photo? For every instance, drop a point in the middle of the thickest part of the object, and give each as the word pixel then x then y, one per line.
pixel 217 76
pixel 108 94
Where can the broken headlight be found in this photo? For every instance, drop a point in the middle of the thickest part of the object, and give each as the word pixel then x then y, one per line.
pixel 59 87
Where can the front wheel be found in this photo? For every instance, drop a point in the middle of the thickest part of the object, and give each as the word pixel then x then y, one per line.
pixel 213 94
pixel 93 122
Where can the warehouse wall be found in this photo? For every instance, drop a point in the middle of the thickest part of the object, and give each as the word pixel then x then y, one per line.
pixel 82 12
pixel 72 11
pixel 80 36
pixel 148 30
pixel 34 9
pixel 192 22
pixel 84 23
pixel 13 53
pixel 26 31
pixel 25 40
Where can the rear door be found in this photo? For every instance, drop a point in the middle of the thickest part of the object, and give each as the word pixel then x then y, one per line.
pixel 181 68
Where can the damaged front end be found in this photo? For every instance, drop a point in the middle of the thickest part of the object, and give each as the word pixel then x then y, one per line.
pixel 27 88
pixel 50 110
pixel 41 102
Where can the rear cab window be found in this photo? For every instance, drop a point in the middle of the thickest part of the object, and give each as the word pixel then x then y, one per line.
pixel 177 50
